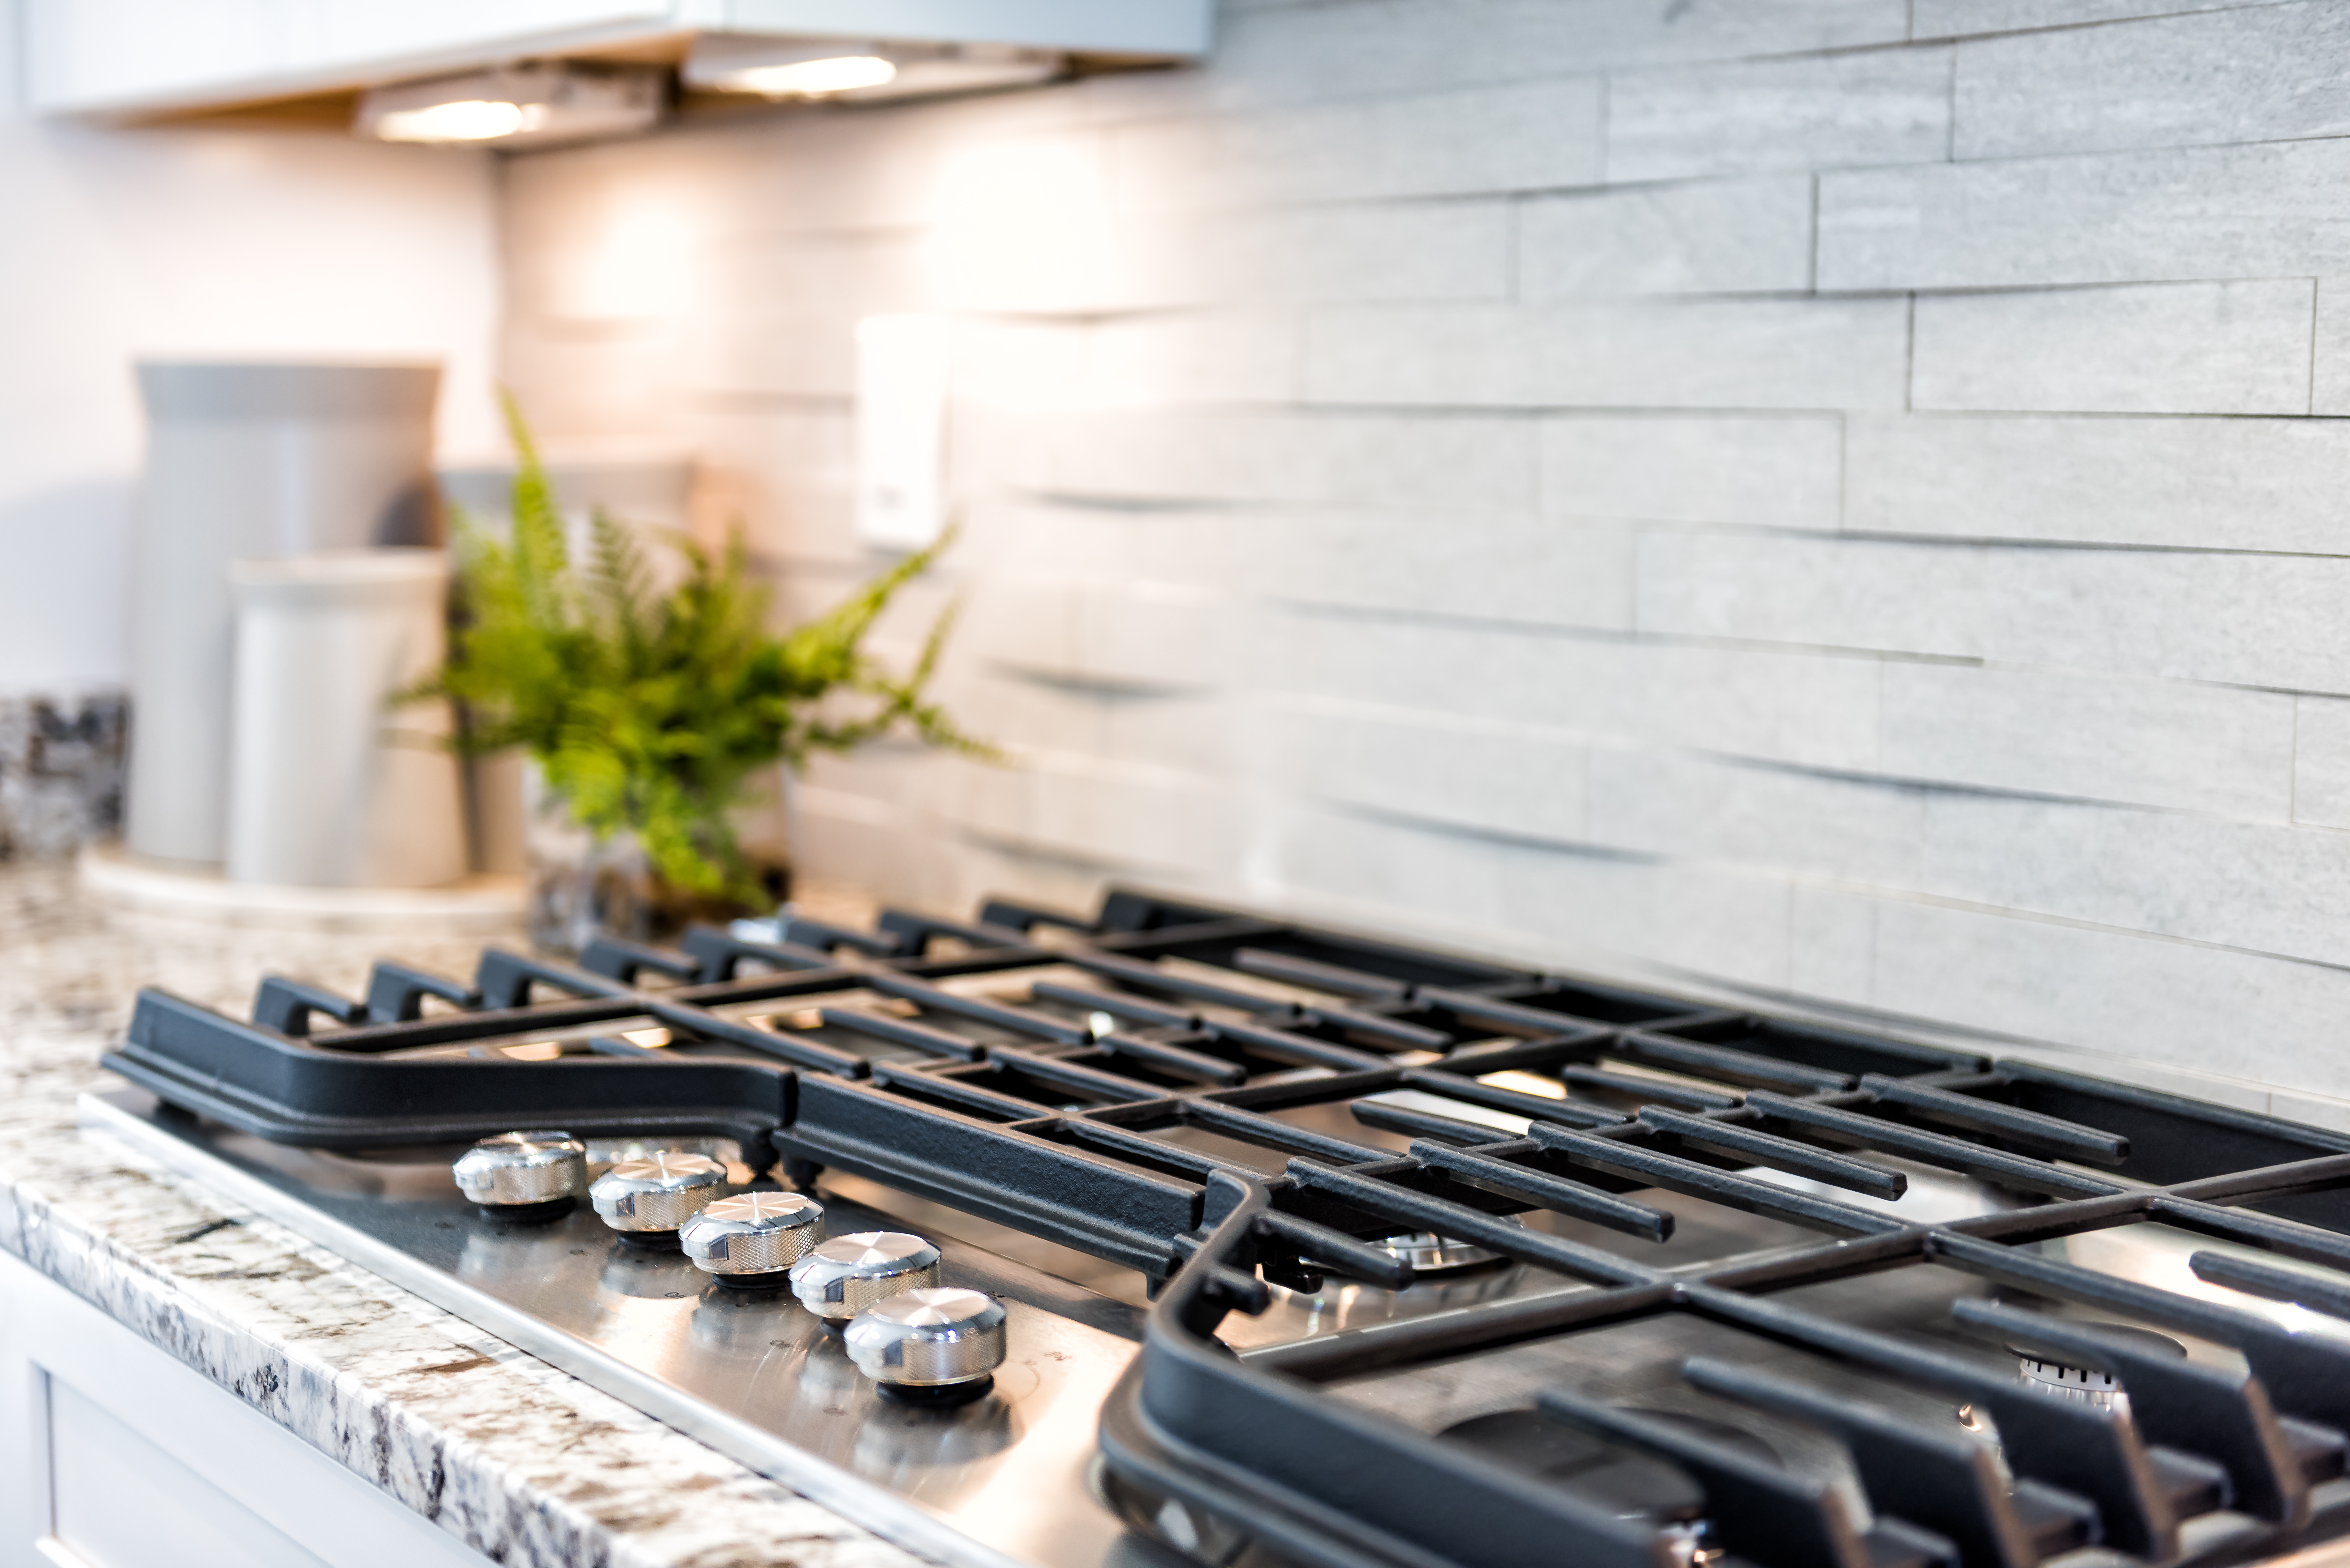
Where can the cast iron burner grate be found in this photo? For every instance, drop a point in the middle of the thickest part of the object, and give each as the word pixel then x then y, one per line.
pixel 1242 1107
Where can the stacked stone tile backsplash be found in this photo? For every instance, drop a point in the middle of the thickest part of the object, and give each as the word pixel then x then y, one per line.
pixel 1839 500
pixel 60 771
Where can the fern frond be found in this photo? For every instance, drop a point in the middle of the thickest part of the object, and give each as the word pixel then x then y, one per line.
pixel 652 711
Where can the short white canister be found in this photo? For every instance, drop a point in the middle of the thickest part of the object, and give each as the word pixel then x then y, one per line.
pixel 247 460
pixel 329 786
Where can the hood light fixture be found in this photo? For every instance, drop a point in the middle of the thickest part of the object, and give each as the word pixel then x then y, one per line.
pixel 531 105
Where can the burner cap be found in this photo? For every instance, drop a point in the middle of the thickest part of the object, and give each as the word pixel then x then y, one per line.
pixel 1628 1483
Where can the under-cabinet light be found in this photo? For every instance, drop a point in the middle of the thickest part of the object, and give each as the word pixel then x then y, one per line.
pixel 804 68
pixel 534 105
pixel 466 119
pixel 811 78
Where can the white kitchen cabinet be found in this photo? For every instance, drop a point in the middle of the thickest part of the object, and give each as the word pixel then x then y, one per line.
pixel 113 1455
pixel 126 56
pixel 134 57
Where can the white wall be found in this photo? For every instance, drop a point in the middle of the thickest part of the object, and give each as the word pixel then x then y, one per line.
pixel 119 244
pixel 1843 505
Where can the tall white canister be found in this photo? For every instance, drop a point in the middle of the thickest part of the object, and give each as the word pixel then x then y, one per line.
pixel 328 785
pixel 247 460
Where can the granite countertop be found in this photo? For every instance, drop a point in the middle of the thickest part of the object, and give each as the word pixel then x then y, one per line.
pixel 523 1462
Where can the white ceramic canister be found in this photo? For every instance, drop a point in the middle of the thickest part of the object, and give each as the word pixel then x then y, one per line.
pixel 247 460
pixel 328 785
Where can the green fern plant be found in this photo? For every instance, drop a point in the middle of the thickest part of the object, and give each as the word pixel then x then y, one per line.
pixel 652 711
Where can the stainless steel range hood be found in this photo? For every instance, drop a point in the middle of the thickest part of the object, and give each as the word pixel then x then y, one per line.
pixel 151 61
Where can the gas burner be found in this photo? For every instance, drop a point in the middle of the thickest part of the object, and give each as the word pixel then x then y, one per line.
pixel 2092 1385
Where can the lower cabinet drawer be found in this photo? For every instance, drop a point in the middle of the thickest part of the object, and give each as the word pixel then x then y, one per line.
pixel 114 1455
pixel 116 1501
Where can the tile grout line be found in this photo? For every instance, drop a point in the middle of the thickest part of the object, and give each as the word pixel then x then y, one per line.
pixel 1909 357
pixel 2293 771
pixel 1950 101
pixel 1606 79
pixel 2317 292
pixel 1812 277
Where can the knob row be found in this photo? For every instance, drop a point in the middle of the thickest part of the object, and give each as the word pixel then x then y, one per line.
pixel 880 1289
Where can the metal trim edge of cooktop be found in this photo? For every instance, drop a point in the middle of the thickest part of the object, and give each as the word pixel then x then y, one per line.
pixel 861 1502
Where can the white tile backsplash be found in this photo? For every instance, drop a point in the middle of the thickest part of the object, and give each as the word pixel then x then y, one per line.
pixel 2265 209
pixel 2128 739
pixel 1692 237
pixel 2321 760
pixel 2257 73
pixel 1772 469
pixel 1807 112
pixel 1835 497
pixel 2157 348
pixel 1700 354
pixel 2257 484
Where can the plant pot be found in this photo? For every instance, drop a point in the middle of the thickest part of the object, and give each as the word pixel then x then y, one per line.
pixel 582 887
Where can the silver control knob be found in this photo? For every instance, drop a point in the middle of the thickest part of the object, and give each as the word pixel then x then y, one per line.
pixel 935 1341
pixel 752 1236
pixel 842 1277
pixel 524 1171
pixel 652 1197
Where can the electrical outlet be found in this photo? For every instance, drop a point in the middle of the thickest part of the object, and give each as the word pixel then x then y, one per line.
pixel 901 413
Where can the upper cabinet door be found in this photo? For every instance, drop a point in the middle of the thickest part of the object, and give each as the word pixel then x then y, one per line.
pixel 82 53
pixel 363 37
pixel 128 55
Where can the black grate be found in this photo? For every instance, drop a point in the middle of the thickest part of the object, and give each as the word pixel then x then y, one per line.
pixel 1239 1106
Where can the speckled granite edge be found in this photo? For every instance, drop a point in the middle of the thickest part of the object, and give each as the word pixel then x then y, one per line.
pixel 524 1463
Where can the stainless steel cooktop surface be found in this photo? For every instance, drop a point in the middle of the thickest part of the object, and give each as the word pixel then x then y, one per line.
pixel 751 1373
pixel 1262 1244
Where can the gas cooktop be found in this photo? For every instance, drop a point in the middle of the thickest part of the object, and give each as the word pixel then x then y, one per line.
pixel 1079 1241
